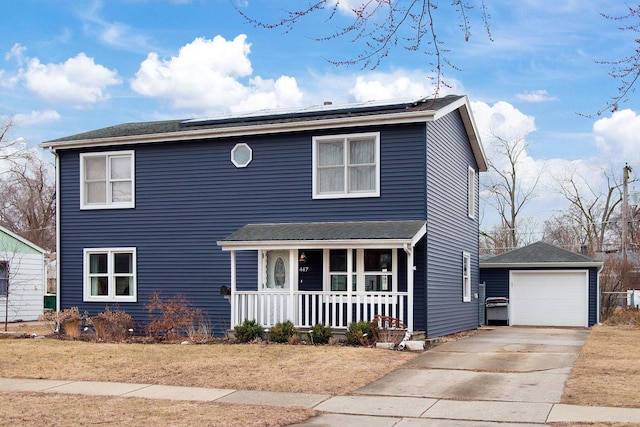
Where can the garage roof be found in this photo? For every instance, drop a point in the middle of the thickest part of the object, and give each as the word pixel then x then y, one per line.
pixel 539 254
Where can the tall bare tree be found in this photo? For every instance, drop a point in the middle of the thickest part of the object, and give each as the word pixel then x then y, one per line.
pixel 591 212
pixel 506 187
pixel 378 26
pixel 625 70
pixel 27 191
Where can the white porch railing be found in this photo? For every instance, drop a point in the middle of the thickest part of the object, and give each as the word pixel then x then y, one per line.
pixel 307 308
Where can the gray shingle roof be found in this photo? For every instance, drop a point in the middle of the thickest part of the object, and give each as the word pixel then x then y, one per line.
pixel 174 126
pixel 327 231
pixel 538 253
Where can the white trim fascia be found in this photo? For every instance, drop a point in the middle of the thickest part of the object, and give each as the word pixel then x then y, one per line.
pixel 260 129
pixel 23 240
pixel 419 235
pixel 314 244
pixel 570 265
pixel 463 105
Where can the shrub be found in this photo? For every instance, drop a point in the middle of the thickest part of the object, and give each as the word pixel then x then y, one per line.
pixel 320 334
pixel 250 330
pixel 67 321
pixel 359 333
pixel 282 331
pixel 176 316
pixel 112 326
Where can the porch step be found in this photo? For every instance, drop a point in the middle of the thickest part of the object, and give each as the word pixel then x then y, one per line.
pixel 418 336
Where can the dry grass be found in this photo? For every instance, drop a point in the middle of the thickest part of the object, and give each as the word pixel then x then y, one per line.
pixel 607 372
pixel 274 367
pixel 37 409
pixel 313 369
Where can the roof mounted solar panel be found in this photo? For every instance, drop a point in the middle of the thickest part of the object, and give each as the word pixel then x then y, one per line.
pixel 315 110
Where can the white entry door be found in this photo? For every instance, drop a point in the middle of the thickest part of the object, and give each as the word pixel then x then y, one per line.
pixel 275 285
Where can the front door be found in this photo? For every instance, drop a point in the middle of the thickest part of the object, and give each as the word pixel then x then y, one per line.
pixel 277 277
pixel 275 285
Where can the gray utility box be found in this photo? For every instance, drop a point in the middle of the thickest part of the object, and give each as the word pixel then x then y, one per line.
pixel 497 309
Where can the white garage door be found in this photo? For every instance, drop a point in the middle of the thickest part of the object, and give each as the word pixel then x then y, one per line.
pixel 549 298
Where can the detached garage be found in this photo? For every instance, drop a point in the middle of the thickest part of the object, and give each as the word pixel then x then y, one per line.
pixel 546 285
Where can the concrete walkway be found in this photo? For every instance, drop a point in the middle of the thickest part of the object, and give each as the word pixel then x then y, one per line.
pixel 355 410
pixel 503 377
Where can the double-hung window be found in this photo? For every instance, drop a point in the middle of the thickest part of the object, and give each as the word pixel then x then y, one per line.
pixel 466 277
pixel 107 180
pixel 4 278
pixel 372 270
pixel 110 274
pixel 346 166
pixel 338 267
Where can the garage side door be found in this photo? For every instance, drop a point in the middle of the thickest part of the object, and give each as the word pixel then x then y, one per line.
pixel 549 298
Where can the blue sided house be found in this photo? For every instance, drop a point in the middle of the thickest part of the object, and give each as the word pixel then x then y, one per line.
pixel 324 215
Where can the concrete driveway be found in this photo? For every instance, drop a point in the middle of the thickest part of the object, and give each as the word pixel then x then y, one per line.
pixel 503 377
pixel 506 364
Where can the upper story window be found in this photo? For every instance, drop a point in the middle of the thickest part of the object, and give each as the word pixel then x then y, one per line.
pixel 471 193
pixel 107 180
pixel 241 155
pixel 110 274
pixel 346 166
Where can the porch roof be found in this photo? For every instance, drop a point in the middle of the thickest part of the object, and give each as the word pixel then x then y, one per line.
pixel 326 235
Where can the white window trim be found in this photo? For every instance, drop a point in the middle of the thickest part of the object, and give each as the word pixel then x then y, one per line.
pixel 236 148
pixel 110 273
pixel 108 204
pixel 471 193
pixel 345 193
pixel 466 278
pixel 360 273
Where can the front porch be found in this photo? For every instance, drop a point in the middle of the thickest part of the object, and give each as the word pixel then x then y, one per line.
pixel 307 308
pixel 328 273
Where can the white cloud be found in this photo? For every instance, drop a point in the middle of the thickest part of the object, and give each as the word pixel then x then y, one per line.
pixel 114 34
pixel 36 117
pixel 207 76
pixel 617 136
pixel 398 84
pixel 77 81
pixel 540 95
pixel 17 51
pixel 502 119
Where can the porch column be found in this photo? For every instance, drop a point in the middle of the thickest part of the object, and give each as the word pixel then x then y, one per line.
pixel 232 297
pixel 293 281
pixel 410 272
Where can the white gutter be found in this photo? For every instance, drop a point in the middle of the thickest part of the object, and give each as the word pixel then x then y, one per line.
pixel 511 265
pixel 190 134
pixel 313 244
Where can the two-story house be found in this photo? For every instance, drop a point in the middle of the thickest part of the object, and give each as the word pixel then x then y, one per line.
pixel 324 215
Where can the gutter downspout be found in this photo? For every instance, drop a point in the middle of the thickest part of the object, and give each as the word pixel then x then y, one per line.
pixel 410 271
pixel 57 166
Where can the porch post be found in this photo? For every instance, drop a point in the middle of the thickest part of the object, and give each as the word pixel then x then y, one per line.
pixel 293 281
pixel 410 272
pixel 232 297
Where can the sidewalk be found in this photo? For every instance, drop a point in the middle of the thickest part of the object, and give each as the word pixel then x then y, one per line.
pixel 354 409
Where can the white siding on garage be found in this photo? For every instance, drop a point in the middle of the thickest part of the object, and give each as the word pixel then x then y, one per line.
pixel 549 298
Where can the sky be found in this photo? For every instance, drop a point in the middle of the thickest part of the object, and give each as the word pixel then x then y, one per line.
pixel 71 66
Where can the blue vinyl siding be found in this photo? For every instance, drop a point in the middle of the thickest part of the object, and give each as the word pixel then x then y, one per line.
pixel 450 231
pixel 189 196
